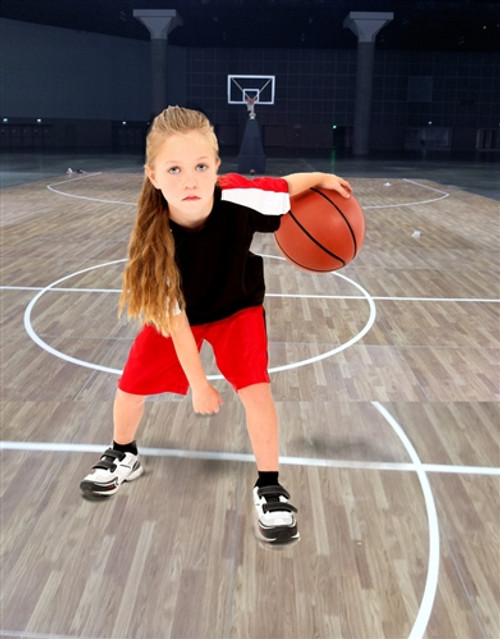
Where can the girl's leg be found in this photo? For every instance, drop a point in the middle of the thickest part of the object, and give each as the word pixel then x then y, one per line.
pixel 262 425
pixel 119 463
pixel 276 521
pixel 127 413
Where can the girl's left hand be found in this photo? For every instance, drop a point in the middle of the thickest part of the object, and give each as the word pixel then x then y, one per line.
pixel 336 183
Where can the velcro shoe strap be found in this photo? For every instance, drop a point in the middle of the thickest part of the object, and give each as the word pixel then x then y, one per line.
pixel 277 506
pixel 107 460
pixel 273 491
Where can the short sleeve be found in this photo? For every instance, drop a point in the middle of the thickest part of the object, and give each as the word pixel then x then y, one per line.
pixel 266 195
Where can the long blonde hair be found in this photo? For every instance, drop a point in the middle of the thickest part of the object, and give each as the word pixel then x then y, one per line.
pixel 151 280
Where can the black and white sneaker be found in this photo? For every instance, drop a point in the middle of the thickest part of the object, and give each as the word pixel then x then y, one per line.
pixel 110 472
pixel 276 523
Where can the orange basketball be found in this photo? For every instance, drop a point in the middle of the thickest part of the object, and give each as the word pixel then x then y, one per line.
pixel 322 232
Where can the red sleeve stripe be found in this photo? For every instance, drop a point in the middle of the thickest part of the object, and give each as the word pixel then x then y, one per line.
pixel 266 195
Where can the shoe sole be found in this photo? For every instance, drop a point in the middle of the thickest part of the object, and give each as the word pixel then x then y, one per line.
pixel 96 490
pixel 279 536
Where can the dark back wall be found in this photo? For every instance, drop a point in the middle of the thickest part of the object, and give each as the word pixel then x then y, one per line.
pixel 94 90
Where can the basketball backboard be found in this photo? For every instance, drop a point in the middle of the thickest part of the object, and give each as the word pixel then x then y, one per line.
pixel 257 89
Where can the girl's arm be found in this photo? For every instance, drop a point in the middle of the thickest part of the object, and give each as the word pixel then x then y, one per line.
pixel 206 398
pixel 298 182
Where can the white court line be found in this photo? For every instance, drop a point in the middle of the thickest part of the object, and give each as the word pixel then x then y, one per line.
pixel 208 455
pixel 34 336
pixel 427 602
pixel 426 186
pixel 377 298
pixel 311 360
pixel 73 179
pixel 381 298
pixel 50 187
pixel 387 299
pixel 22 634
pixel 367 207
pixel 444 195
pixel 61 289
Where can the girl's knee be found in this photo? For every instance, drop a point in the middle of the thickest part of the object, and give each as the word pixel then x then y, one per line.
pixel 256 393
pixel 129 398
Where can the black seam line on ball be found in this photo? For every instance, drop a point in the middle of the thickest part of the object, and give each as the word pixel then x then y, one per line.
pixel 351 231
pixel 311 237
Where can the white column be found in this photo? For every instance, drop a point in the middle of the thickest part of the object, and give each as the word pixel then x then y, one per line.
pixel 365 25
pixel 159 22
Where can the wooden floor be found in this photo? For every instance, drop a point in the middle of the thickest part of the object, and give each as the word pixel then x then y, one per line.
pixel 386 379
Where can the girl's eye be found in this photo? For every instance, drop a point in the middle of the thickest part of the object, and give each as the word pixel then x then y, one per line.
pixel 201 167
pixel 174 170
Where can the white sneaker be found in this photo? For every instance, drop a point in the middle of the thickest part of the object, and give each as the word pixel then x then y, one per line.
pixel 110 472
pixel 276 523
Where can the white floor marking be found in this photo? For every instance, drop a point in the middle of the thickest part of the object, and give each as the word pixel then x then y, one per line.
pixel 84 197
pixel 375 298
pixel 22 634
pixel 50 187
pixel 426 186
pixel 467 300
pixel 33 335
pixel 427 602
pixel 444 195
pixel 68 358
pixel 68 447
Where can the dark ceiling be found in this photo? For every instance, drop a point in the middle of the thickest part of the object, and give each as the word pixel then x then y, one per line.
pixel 440 25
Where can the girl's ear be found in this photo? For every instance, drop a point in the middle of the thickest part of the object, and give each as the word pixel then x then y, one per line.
pixel 151 176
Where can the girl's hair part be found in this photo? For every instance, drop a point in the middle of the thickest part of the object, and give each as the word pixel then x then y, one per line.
pixel 151 280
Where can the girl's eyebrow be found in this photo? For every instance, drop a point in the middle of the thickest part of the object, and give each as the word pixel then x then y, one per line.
pixel 203 157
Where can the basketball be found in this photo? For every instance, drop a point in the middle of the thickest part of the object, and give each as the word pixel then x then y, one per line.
pixel 322 232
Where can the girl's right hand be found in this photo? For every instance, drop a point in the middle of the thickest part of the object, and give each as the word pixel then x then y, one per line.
pixel 206 400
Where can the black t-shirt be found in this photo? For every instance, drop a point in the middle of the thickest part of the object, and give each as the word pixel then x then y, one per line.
pixel 219 273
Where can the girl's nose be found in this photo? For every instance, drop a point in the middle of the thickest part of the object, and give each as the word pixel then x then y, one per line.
pixel 190 181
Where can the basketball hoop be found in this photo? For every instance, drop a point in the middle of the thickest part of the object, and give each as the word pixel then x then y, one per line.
pixel 251 106
pixel 250 90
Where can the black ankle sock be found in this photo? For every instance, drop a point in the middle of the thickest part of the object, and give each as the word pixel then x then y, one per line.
pixel 267 478
pixel 126 448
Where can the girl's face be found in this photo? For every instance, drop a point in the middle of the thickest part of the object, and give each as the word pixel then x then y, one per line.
pixel 185 171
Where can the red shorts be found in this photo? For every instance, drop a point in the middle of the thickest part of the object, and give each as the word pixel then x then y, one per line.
pixel 239 343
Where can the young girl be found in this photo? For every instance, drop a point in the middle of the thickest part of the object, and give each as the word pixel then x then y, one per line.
pixel 191 277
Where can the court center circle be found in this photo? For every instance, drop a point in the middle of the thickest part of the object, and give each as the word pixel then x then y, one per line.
pixel 86 364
